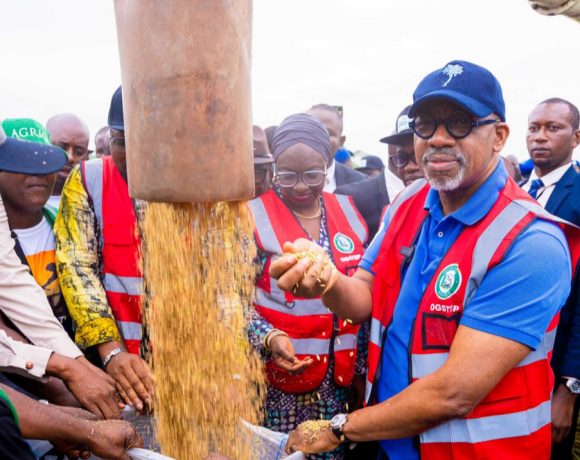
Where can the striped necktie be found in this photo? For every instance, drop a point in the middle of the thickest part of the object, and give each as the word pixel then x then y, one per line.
pixel 534 187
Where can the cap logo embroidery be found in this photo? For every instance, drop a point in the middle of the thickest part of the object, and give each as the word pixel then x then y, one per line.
pixel 402 123
pixel 452 70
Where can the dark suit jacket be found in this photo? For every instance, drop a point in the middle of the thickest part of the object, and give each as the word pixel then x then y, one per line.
pixel 370 197
pixel 345 175
pixel 565 203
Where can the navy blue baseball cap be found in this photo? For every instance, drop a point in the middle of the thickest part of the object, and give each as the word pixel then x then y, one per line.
pixel 25 148
pixel 470 86
pixel 116 119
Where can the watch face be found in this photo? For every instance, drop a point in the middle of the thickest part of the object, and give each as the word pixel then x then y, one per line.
pixel 575 387
pixel 338 421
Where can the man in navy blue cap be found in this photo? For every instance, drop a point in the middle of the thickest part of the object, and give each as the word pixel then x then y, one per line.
pixel 98 259
pixel 462 284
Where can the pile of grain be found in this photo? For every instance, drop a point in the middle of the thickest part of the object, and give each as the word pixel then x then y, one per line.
pixel 200 275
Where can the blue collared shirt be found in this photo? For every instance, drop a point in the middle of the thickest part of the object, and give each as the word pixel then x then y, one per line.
pixel 517 299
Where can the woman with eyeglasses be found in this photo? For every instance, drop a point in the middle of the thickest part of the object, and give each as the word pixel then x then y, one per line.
pixel 311 354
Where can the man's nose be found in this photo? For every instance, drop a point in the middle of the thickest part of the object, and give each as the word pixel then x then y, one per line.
pixel 441 138
pixel 541 135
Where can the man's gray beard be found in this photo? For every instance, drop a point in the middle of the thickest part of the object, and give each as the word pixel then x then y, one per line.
pixel 441 182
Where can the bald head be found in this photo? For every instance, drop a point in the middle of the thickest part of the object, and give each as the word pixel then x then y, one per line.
pixel 69 120
pixel 71 134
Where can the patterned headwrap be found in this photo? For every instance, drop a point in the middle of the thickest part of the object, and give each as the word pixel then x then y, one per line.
pixel 301 128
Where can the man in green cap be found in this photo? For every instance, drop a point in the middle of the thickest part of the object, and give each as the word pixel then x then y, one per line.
pixel 31 220
pixel 28 164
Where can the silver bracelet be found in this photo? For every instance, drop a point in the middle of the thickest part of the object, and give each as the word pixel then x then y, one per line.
pixel 116 351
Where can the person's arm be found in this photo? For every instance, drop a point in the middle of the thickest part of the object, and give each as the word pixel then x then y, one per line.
pixel 24 302
pixel 77 255
pixel 477 362
pixel 350 298
pixel 88 385
pixel 107 439
pixel 77 250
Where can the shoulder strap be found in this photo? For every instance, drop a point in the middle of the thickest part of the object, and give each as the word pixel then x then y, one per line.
pixel 19 251
pixel 50 215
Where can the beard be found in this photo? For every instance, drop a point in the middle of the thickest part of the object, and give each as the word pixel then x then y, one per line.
pixel 440 181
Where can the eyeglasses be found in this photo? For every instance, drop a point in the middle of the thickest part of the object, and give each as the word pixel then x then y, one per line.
pixel 310 178
pixel 118 143
pixel 458 125
pixel 260 175
pixel 401 160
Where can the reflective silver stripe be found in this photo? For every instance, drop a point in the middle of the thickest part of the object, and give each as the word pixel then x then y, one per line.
pixel 130 331
pixel 264 227
pixel 407 193
pixel 123 284
pixel 302 307
pixel 311 346
pixel 345 342
pixel 352 217
pixel 368 390
pixel 474 430
pixel 427 364
pixel 94 183
pixel 538 210
pixel 376 332
pixel 488 243
pixel 545 347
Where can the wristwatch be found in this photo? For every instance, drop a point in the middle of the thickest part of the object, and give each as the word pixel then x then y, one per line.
pixel 337 424
pixel 573 385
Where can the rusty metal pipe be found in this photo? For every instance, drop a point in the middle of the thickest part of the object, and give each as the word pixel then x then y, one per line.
pixel 186 73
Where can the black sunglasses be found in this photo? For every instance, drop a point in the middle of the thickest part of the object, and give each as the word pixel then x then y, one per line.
pixel 458 124
pixel 401 160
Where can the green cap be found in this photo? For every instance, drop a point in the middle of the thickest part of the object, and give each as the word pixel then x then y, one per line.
pixel 26 149
pixel 26 129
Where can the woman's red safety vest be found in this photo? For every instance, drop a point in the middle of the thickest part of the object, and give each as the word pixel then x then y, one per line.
pixel 314 331
pixel 514 420
pixel 121 268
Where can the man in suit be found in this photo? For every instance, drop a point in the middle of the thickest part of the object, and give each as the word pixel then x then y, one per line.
pixel 371 196
pixel 552 136
pixel 337 174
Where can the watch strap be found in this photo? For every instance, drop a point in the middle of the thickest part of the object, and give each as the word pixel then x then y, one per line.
pixel 340 435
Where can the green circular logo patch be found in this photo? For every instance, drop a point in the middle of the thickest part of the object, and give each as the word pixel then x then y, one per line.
pixel 343 243
pixel 448 282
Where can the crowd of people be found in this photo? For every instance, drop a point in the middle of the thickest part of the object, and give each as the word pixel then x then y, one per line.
pixel 428 308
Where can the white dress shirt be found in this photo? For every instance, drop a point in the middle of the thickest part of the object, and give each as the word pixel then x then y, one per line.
pixel 330 186
pixel 394 184
pixel 24 302
pixel 549 180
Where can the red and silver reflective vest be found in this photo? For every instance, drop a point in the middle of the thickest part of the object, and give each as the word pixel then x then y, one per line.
pixel 514 420
pixel 314 331
pixel 121 268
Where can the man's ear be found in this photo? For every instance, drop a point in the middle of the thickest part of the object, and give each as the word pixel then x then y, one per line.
pixel 502 132
pixel 342 141
pixel 576 140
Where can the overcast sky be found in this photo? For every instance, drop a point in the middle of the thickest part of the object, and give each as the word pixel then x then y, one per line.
pixel 368 56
